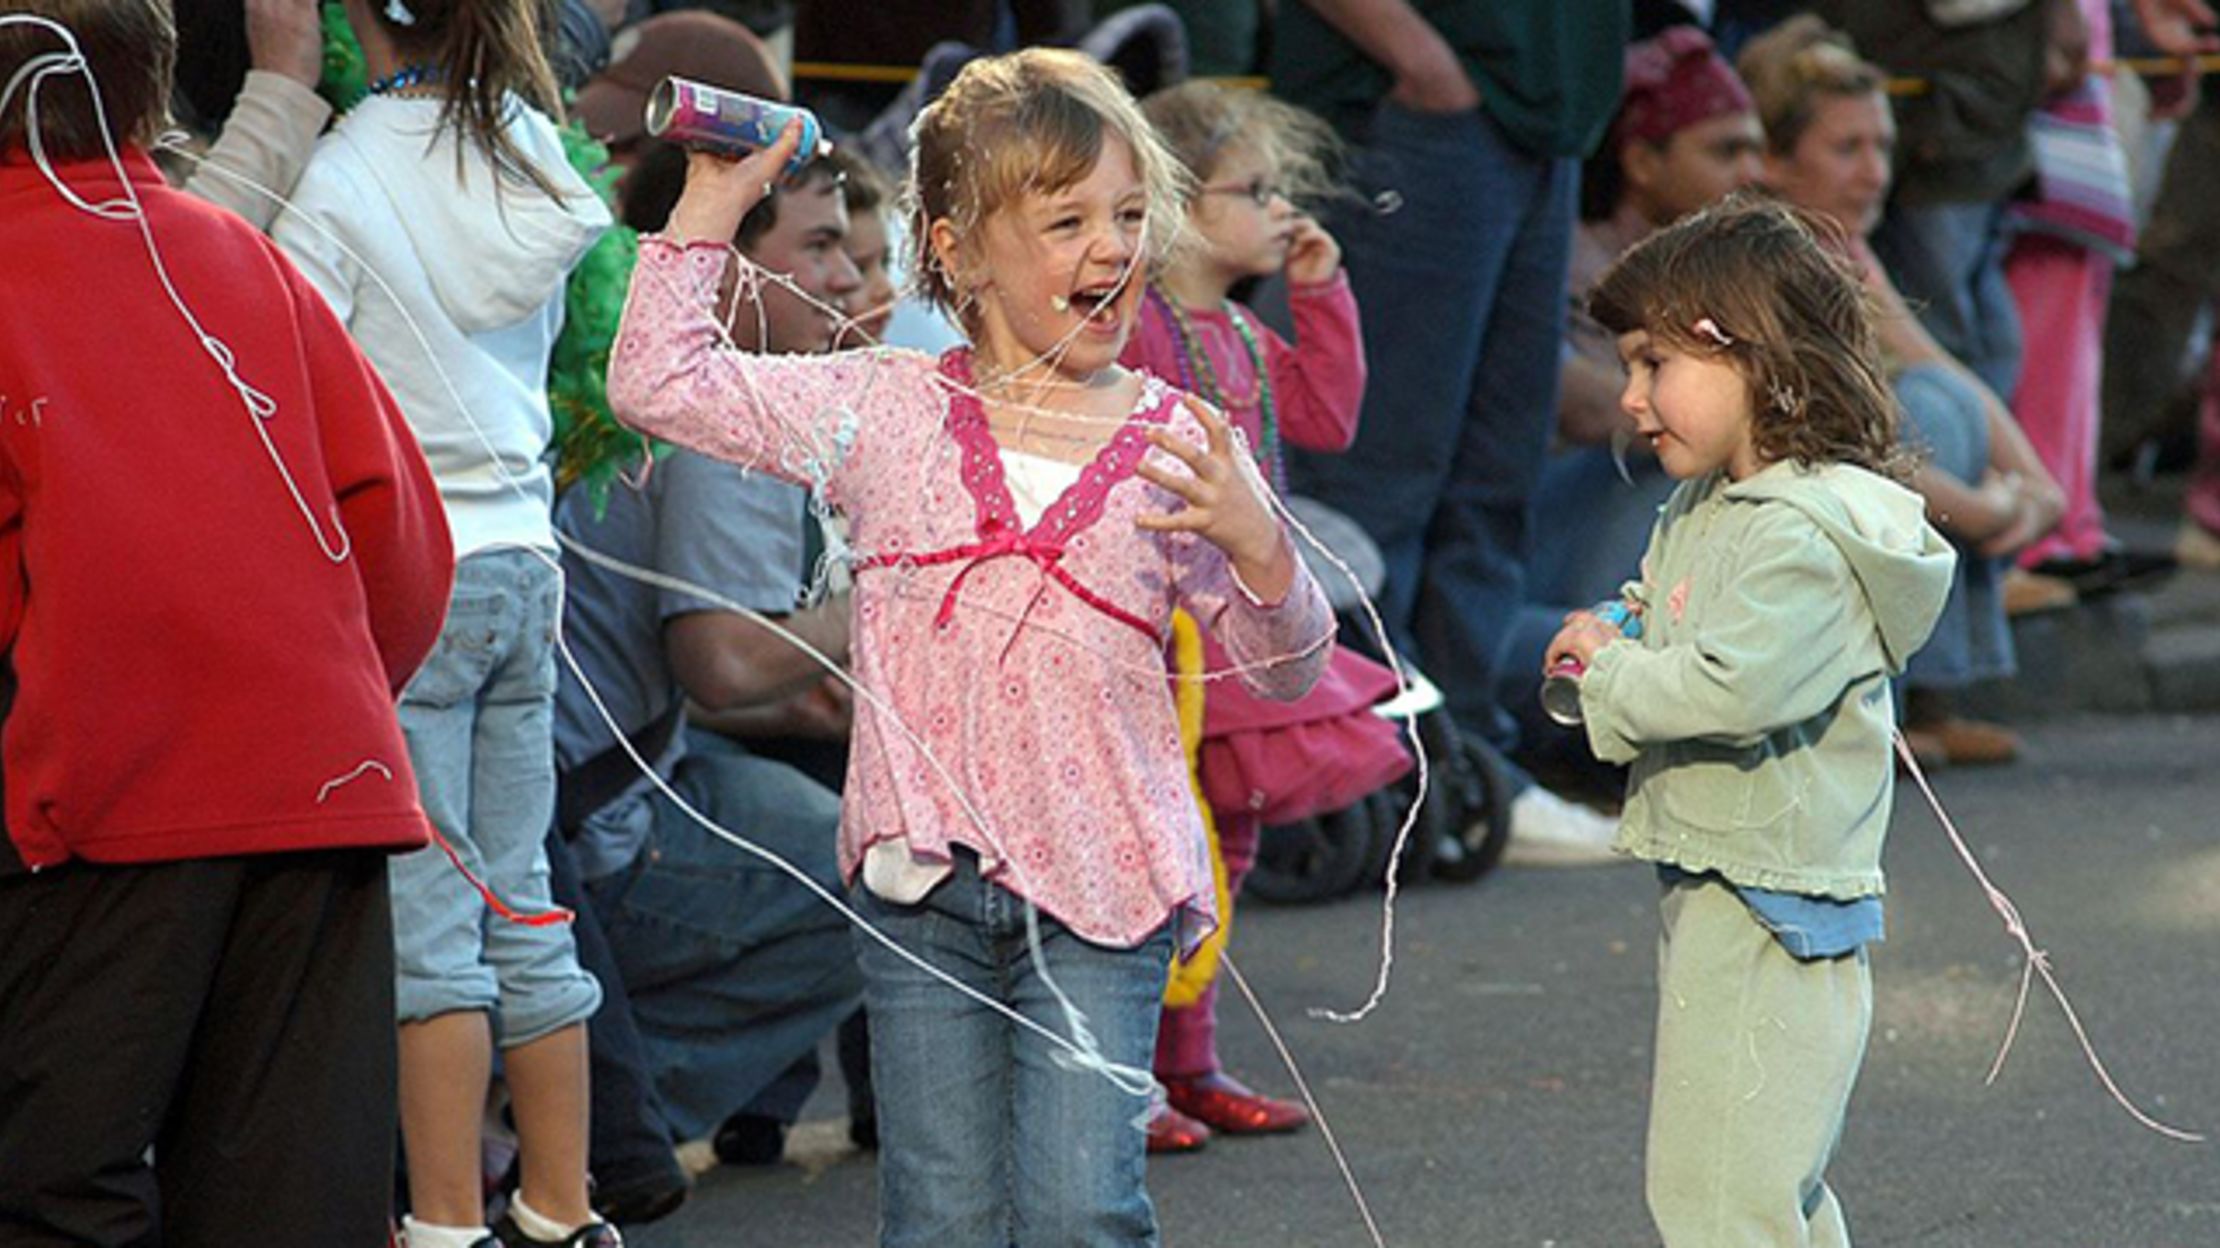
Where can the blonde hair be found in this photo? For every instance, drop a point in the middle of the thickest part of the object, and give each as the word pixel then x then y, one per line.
pixel 1764 286
pixel 1791 68
pixel 1202 121
pixel 1029 122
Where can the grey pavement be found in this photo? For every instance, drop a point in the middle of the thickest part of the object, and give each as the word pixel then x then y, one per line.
pixel 1497 1096
pixel 2157 649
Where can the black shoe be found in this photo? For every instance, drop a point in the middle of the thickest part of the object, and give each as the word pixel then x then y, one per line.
pixel 2117 569
pixel 643 1199
pixel 863 1132
pixel 508 1234
pixel 750 1140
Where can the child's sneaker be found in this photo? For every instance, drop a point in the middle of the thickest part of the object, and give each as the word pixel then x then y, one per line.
pixel 507 1234
pixel 1548 831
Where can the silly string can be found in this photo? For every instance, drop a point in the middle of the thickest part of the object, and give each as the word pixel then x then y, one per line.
pixel 1561 687
pixel 694 113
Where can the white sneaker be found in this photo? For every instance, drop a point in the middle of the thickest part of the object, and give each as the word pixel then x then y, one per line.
pixel 1548 831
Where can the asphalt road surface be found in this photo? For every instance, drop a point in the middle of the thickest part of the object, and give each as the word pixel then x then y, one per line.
pixel 1497 1096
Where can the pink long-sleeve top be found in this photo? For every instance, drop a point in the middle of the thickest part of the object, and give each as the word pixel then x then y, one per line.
pixel 1317 382
pixel 1027 662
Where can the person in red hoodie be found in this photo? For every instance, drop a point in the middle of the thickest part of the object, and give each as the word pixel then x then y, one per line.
pixel 221 557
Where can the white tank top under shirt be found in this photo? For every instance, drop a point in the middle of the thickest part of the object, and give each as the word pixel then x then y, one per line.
pixel 889 869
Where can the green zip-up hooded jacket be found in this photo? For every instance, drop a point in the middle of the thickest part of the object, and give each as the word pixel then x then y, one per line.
pixel 1755 709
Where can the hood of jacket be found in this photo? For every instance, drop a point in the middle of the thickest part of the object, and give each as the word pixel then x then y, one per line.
pixel 1903 565
pixel 496 252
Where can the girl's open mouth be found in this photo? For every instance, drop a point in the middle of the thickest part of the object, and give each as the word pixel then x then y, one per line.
pixel 1097 305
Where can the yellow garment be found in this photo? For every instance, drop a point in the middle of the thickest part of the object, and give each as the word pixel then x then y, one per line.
pixel 1193 974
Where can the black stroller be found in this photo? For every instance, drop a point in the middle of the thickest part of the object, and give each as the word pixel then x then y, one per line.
pixel 1463 825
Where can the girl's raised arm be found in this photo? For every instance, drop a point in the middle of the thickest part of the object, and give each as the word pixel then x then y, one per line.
pixel 674 374
pixel 1318 382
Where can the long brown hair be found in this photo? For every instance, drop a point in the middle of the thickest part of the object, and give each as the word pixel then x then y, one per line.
pixel 1749 280
pixel 481 50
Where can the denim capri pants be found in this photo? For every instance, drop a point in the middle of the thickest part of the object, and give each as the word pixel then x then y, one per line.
pixel 478 718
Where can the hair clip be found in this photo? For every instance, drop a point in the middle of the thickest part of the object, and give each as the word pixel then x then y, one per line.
pixel 397 12
pixel 1707 327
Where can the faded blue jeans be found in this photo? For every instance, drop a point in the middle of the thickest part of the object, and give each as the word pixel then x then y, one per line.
pixel 479 717
pixel 1463 289
pixel 1948 262
pixel 1945 421
pixel 986 1138
pixel 734 969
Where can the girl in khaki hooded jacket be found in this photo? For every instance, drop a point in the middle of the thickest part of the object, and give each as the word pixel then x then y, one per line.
pixel 1787 581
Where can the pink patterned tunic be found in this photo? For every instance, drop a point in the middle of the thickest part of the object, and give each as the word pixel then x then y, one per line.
pixel 1024 665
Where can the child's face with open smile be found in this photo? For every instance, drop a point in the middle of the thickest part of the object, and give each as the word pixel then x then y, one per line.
pixel 1059 273
pixel 1693 410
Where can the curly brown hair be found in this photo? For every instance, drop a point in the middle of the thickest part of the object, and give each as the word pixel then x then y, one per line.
pixel 1764 286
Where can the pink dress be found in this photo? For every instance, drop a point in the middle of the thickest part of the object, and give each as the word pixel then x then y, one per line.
pixel 2061 285
pixel 1022 681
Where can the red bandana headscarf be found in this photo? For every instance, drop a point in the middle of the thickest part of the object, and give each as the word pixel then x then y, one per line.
pixel 1674 81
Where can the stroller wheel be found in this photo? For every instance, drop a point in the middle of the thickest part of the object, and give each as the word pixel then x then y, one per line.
pixel 1474 816
pixel 1315 860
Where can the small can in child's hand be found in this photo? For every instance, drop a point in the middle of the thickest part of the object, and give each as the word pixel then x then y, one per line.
pixel 1561 691
pixel 695 113
pixel 1561 685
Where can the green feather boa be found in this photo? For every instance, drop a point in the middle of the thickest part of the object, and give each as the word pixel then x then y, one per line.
pixel 590 447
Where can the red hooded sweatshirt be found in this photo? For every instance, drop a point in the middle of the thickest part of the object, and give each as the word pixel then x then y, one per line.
pixel 194 674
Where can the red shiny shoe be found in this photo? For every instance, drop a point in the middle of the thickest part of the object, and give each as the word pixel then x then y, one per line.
pixel 1174 1132
pixel 1220 1102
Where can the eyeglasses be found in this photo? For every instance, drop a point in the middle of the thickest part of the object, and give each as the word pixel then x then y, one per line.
pixel 1258 191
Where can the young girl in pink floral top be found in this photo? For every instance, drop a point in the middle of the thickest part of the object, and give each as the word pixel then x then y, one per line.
pixel 1025 515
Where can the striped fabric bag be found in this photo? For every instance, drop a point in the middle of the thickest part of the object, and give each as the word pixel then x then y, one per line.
pixel 2081 191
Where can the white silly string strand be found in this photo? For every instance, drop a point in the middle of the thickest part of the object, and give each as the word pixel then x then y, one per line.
pixel 1083 1052
pixel 2037 963
pixel 259 406
pixel 1078 1052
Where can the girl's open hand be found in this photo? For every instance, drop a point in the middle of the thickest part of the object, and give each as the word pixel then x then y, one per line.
pixel 1225 503
pixel 1312 254
pixel 721 189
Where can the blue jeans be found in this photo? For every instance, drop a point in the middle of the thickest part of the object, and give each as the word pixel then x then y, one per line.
pixel 478 718
pixel 1945 421
pixel 735 970
pixel 1463 290
pixel 986 1140
pixel 1948 260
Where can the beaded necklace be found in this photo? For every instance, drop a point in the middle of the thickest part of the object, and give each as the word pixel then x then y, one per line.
pixel 1199 376
pixel 405 77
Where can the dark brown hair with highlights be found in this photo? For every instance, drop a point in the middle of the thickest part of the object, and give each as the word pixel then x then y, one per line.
pixel 482 50
pixel 1797 323
pixel 130 48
